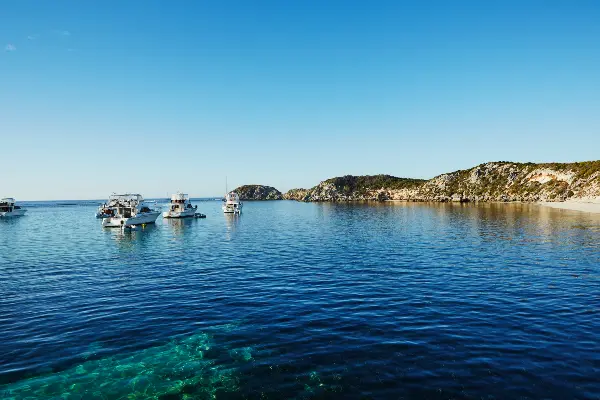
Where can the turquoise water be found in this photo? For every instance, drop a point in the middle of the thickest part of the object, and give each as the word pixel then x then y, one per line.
pixel 294 300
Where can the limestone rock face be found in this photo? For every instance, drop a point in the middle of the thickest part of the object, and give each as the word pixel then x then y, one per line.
pixel 493 181
pixel 258 192
pixel 355 188
pixel 506 181
pixel 296 194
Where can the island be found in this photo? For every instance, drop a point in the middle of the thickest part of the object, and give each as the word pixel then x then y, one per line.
pixel 493 181
pixel 573 186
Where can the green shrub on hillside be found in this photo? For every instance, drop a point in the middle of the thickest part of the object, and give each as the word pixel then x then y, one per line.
pixel 361 184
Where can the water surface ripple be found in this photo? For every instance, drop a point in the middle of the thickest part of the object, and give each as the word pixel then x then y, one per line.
pixel 293 300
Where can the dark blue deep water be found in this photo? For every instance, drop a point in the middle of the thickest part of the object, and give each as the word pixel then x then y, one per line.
pixel 299 301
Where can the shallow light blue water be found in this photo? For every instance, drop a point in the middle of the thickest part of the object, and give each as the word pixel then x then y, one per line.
pixel 294 300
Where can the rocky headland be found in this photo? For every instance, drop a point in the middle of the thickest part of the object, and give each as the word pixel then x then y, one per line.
pixel 493 181
pixel 258 192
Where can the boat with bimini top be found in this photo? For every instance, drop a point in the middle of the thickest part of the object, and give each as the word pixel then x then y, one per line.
pixel 180 207
pixel 232 203
pixel 129 210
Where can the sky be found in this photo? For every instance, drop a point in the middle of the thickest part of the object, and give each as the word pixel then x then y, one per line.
pixel 157 96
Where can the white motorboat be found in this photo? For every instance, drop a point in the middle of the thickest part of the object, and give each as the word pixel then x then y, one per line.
pixel 9 209
pixel 129 210
pixel 232 204
pixel 180 207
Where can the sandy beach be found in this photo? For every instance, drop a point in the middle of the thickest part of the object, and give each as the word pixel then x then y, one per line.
pixel 585 205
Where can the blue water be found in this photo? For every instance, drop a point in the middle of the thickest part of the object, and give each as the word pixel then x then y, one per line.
pixel 294 300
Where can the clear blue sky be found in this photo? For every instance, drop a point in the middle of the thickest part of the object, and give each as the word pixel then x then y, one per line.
pixel 154 97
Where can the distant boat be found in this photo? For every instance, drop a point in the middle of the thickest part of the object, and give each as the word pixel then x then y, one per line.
pixel 9 209
pixel 232 204
pixel 180 207
pixel 129 210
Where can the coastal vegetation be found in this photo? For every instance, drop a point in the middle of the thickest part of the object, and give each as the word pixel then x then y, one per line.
pixel 296 194
pixel 494 181
pixel 258 192
pixel 351 184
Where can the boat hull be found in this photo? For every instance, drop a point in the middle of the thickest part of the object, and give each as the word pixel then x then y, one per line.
pixel 140 219
pixel 180 214
pixel 14 213
pixel 230 209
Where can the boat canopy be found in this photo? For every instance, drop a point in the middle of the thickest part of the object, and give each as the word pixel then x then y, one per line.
pixel 7 200
pixel 179 197
pixel 232 196
pixel 127 197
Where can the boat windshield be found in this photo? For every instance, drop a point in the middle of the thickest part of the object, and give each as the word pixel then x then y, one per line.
pixel 232 196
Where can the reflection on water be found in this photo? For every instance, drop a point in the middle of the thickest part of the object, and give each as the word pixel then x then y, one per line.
pixel 130 238
pixel 232 222
pixel 12 220
pixel 179 225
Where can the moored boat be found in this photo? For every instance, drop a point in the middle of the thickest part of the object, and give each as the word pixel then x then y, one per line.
pixel 232 204
pixel 180 207
pixel 129 210
pixel 8 208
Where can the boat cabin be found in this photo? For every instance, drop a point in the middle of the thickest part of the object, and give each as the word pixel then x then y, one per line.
pixel 180 202
pixel 128 205
pixel 232 198
pixel 8 205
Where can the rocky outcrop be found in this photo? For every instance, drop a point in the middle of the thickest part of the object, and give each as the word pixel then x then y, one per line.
pixel 354 188
pixel 494 181
pixel 258 192
pixel 296 194
pixel 505 181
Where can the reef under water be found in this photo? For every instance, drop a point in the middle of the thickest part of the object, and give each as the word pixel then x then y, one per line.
pixel 178 370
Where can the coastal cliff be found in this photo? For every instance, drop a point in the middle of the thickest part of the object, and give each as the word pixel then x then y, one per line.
pixel 353 188
pixel 494 181
pixel 258 192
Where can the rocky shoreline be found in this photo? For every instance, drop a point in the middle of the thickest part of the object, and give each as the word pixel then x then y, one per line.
pixel 494 181
pixel 489 182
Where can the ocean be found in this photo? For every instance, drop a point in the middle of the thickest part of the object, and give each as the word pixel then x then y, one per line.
pixel 302 300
